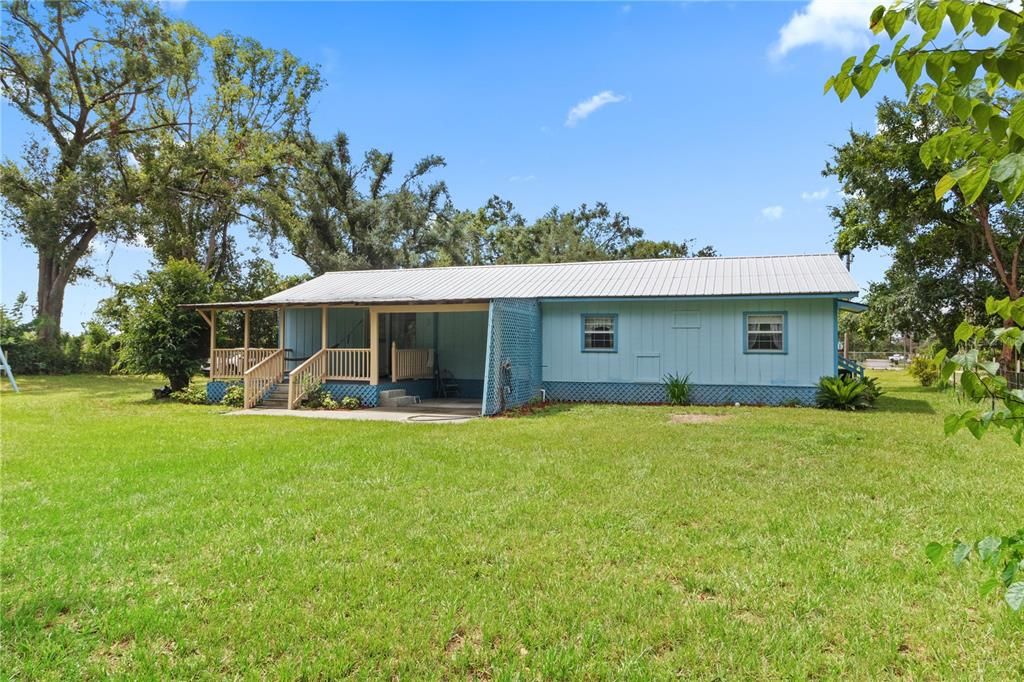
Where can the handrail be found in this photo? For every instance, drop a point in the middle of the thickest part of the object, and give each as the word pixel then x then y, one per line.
pixel 348 364
pixel 262 376
pixel 851 366
pixel 230 363
pixel 306 377
pixel 409 363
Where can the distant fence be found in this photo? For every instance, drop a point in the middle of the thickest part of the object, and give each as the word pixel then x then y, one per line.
pixel 1014 379
pixel 861 356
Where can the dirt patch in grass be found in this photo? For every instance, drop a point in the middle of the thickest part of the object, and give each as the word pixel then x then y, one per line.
pixel 698 418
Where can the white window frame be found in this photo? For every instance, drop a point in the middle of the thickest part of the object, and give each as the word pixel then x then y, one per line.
pixel 766 317
pixel 585 334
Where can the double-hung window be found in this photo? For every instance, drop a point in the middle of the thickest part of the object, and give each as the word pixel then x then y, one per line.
pixel 599 333
pixel 765 333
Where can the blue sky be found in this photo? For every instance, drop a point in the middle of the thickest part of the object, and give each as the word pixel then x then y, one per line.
pixel 703 120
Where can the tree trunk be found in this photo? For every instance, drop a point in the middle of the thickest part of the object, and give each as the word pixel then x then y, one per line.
pixel 50 297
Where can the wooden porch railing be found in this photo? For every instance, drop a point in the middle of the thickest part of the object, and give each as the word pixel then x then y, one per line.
pixel 409 363
pixel 232 363
pixel 348 364
pixel 306 377
pixel 262 376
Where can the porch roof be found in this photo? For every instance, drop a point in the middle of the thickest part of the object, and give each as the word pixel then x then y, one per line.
pixel 801 275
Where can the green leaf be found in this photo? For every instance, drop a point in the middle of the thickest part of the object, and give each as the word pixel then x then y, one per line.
pixel 843 85
pixel 963 332
pixel 865 78
pixel 966 65
pixel 1010 69
pixel 1008 574
pixel 960 553
pixel 1008 172
pixel 976 427
pixel 1017 118
pixel 1015 595
pixel 828 85
pixel 934 551
pixel 908 68
pixel 962 108
pixel 973 178
pixel 986 587
pixel 870 54
pixel 937 66
pixel 945 183
pixel 984 19
pixel 959 14
pixel 988 547
pixel 893 21
pixel 981 113
pixel 875 23
pixel 972 385
pixel 998 125
pixel 929 17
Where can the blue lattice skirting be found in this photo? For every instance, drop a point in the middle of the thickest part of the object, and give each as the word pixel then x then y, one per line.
pixel 700 394
pixel 215 390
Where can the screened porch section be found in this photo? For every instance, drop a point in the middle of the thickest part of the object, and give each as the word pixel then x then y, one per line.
pixel 431 351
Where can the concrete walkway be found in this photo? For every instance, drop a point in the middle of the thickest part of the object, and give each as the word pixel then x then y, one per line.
pixel 426 412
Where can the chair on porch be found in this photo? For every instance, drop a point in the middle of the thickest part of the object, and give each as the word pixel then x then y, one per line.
pixel 445 384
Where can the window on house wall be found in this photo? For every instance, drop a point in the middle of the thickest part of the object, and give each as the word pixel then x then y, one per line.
pixel 599 333
pixel 766 332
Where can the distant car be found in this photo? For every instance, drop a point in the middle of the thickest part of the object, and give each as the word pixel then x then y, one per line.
pixel 897 358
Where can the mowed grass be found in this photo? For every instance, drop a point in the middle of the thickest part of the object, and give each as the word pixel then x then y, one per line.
pixel 147 540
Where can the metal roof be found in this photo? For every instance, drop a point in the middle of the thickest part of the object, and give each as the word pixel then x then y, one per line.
pixel 661 277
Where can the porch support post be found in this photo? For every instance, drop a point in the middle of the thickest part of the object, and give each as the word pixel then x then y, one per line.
pixel 323 328
pixel 374 348
pixel 213 340
pixel 280 328
pixel 245 341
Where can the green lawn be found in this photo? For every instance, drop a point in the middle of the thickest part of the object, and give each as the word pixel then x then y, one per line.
pixel 161 540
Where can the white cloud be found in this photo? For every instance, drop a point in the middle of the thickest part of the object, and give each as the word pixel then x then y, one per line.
pixel 522 178
pixel 588 106
pixel 772 212
pixel 841 24
pixel 816 195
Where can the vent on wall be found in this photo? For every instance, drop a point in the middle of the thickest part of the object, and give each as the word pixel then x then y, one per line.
pixel 648 367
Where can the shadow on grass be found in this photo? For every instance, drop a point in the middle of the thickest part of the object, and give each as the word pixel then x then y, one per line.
pixel 890 403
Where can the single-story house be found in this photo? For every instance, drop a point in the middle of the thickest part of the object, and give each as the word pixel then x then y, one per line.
pixel 759 330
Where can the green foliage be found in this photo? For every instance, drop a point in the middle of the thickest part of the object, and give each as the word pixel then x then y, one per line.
pixel 872 389
pixel 678 388
pixel 845 393
pixel 350 402
pixel 158 335
pixel 191 395
pixel 1004 556
pixel 942 263
pixel 234 396
pixel 923 368
pixel 319 398
pixel 92 351
pixel 85 74
pixel 978 87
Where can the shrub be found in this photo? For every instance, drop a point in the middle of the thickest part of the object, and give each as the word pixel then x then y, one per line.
pixel 872 390
pixel 843 393
pixel 923 369
pixel 191 395
pixel 233 397
pixel 678 388
pixel 350 402
pixel 157 335
pixel 320 398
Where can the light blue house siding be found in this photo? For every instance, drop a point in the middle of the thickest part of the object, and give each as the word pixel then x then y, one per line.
pixel 702 338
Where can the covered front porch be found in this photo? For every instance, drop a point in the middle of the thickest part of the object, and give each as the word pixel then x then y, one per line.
pixel 388 354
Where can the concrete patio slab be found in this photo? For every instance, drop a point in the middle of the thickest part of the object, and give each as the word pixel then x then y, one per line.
pixel 426 412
